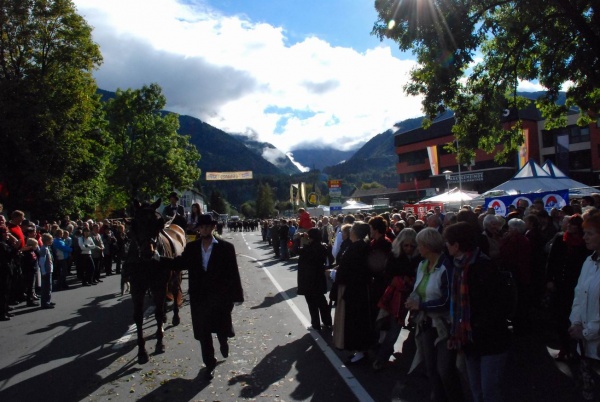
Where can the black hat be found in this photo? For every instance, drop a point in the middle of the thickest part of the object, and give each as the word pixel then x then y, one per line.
pixel 206 219
pixel 173 195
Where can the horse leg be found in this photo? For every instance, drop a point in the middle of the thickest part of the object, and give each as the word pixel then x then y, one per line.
pixel 138 317
pixel 159 315
pixel 176 285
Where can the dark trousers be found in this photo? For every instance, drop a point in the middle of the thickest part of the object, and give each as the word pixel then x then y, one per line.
pixel 317 304
pixel 97 268
pixel 29 274
pixel 46 289
pixel 85 265
pixel 62 268
pixel 208 349
pixel 440 364
pixel 107 263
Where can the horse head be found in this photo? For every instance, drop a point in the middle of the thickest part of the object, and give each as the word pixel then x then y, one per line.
pixel 145 227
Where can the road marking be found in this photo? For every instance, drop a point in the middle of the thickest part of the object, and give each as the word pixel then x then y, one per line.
pixel 131 331
pixel 346 375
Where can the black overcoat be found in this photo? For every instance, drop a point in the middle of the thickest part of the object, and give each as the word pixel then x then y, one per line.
pixel 214 291
pixel 354 272
pixel 311 269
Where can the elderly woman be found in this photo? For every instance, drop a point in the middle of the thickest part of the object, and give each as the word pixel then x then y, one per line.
pixel 515 257
pixel 311 279
pixel 400 271
pixel 352 328
pixel 567 255
pixel 585 312
pixel 431 299
pixel 479 326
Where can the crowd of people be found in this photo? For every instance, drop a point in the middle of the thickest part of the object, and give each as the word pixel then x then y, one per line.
pixel 465 283
pixel 448 278
pixel 37 258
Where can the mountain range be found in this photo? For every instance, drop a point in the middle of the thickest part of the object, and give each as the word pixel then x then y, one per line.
pixel 375 161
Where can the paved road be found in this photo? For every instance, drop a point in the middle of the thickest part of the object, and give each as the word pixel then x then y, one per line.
pixel 84 350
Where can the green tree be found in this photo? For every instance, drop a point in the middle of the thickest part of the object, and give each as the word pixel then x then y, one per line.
pixel 149 157
pixel 472 54
pixel 54 150
pixel 217 202
pixel 265 203
pixel 372 185
pixel 248 209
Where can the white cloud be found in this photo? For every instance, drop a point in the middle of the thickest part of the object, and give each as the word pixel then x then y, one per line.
pixel 231 73
pixel 302 168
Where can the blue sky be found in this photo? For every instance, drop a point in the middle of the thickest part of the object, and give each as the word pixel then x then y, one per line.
pixel 296 74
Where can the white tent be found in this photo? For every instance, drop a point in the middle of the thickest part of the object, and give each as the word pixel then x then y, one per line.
pixel 352 206
pixel 532 178
pixel 452 196
pixel 575 188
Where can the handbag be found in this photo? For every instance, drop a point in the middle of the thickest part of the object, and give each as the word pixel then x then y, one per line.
pixel 588 377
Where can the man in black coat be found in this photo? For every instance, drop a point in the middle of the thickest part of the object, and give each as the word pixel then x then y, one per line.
pixel 214 287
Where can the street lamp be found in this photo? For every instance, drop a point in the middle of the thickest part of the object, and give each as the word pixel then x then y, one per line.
pixel 447 174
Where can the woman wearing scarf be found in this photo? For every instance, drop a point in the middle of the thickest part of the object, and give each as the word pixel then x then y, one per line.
pixel 478 329
pixel 400 272
pixel 567 254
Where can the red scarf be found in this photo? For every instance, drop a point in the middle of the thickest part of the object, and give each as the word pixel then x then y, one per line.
pixel 573 241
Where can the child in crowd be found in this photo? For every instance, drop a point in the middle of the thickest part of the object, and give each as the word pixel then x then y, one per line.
pixel 46 264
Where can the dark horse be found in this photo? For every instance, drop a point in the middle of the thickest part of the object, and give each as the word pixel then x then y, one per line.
pixel 151 236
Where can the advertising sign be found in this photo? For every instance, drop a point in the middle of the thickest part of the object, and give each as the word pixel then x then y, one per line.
pixel 335 196
pixel 551 199
pixel 229 175
pixel 420 210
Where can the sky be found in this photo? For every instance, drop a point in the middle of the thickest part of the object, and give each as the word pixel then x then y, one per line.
pixel 296 74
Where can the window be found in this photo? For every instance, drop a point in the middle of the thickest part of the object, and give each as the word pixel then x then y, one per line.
pixel 580 160
pixel 414 158
pixel 579 134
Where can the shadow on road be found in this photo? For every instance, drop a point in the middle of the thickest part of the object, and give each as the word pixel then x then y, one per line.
pixel 85 347
pixel 275 366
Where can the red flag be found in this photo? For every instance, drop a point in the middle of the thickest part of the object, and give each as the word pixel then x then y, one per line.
pixel 416 186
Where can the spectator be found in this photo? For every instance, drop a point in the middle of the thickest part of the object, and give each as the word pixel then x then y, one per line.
pixel 97 253
pixel 46 264
pixel 8 257
pixel 312 283
pixel 62 252
pixel 85 263
pixel 479 327
pixel 585 312
pixel 430 299
pixel 352 328
pixel 567 255
pixel 515 257
pixel 401 271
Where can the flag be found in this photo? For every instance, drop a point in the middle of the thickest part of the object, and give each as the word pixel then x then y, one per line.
pixel 433 160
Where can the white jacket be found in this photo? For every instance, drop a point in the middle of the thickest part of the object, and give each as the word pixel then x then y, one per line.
pixel 586 304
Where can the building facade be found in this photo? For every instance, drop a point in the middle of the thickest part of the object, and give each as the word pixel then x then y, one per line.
pixel 575 150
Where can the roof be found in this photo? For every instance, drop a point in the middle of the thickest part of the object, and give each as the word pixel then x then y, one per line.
pixel 374 192
pixel 532 178
pixel 442 126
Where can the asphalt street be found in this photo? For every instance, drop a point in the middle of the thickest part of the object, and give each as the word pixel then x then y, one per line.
pixel 85 350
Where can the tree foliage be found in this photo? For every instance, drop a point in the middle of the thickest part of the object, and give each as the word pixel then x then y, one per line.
pixel 53 149
pixel 473 53
pixel 218 203
pixel 149 157
pixel 265 201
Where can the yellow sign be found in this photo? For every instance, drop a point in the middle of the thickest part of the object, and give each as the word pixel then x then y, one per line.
pixel 246 175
